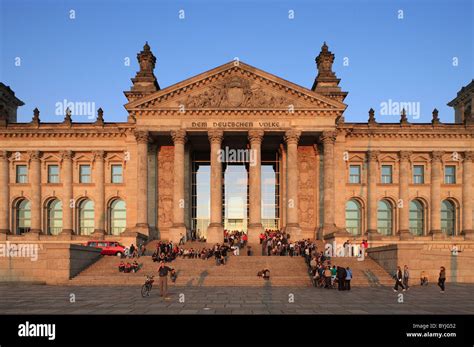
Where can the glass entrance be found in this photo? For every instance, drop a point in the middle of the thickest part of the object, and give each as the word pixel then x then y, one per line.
pixel 235 204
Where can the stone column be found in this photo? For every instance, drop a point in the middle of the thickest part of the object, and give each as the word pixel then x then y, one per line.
pixel 255 186
pixel 467 196
pixel 35 184
pixel 215 230
pixel 404 207
pixel 292 224
pixel 328 139
pixel 4 195
pixel 436 176
pixel 142 138
pixel 178 229
pixel 283 180
pixel 68 197
pixel 99 203
pixel 372 173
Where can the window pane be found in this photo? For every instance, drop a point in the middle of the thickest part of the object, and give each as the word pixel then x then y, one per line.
pixel 354 174
pixel 53 174
pixel 85 174
pixel 386 174
pixel 21 174
pixel 116 173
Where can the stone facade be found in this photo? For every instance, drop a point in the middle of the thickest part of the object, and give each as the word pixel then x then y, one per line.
pixel 306 127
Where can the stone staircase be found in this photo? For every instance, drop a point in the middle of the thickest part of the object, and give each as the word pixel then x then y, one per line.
pixel 239 271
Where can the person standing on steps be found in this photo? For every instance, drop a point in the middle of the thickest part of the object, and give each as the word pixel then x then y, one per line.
pixel 348 278
pixel 163 278
pixel 442 278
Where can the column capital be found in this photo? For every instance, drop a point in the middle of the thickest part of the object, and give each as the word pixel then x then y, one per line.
pixel 4 155
pixel 328 137
pixel 292 136
pixel 179 136
pixel 66 155
pixel 436 156
pixel 405 155
pixel 98 155
pixel 255 136
pixel 142 136
pixel 34 155
pixel 373 155
pixel 215 136
pixel 469 155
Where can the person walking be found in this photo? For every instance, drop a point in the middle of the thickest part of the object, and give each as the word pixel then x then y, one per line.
pixel 442 278
pixel 348 278
pixel 398 280
pixel 163 278
pixel 406 277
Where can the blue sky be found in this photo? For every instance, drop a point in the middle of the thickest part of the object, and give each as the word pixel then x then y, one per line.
pixel 83 59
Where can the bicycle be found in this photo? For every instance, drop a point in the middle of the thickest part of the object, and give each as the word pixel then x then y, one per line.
pixel 146 288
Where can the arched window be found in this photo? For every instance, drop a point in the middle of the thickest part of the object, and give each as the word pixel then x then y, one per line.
pixel 54 217
pixel 22 216
pixel 417 218
pixel 117 217
pixel 384 217
pixel 448 217
pixel 353 217
pixel 86 217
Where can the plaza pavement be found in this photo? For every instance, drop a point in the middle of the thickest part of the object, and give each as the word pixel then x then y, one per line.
pixel 42 299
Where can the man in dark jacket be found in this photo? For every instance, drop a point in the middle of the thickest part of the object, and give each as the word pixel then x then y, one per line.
pixel 163 278
pixel 341 278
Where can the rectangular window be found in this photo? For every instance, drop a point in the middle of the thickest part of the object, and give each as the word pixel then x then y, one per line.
pixel 418 174
pixel 117 174
pixel 85 174
pixel 450 174
pixel 21 174
pixel 53 174
pixel 387 174
pixel 354 174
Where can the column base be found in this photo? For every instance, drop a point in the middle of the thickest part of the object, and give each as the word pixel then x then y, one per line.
pixel 253 232
pixel 437 235
pixel 142 228
pixel 65 234
pixel 294 230
pixel 215 233
pixel 98 234
pixel 177 231
pixel 33 234
pixel 373 234
pixel 405 235
pixel 3 234
pixel 468 234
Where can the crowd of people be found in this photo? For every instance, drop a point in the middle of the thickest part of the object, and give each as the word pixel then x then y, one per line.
pixel 129 267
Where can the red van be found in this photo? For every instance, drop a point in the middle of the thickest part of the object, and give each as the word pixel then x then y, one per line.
pixel 108 247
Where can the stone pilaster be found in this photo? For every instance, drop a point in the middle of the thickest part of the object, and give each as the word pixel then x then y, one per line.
pixel 404 203
pixel 215 230
pixel 436 176
pixel 292 224
pixel 35 183
pixel 328 139
pixel 99 204
pixel 372 173
pixel 4 195
pixel 67 202
pixel 179 204
pixel 283 180
pixel 142 138
pixel 467 196
pixel 255 186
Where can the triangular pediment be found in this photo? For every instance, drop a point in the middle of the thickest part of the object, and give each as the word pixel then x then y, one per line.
pixel 235 85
